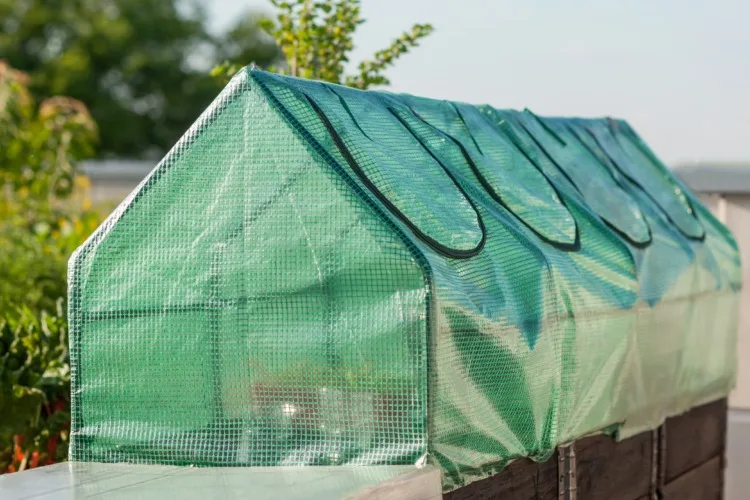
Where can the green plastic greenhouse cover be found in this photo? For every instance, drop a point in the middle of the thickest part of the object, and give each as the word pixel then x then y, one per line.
pixel 317 275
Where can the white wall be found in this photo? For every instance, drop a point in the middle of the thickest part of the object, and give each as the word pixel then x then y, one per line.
pixel 734 211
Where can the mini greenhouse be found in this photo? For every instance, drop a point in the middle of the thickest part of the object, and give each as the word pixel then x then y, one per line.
pixel 317 275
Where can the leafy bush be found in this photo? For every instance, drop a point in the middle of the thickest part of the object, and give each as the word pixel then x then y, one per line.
pixel 44 216
pixel 34 388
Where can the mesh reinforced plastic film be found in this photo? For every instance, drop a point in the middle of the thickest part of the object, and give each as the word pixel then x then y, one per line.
pixel 317 275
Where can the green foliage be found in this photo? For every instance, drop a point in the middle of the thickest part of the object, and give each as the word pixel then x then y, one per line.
pixel 34 388
pixel 40 144
pixel 136 64
pixel 316 39
pixel 247 43
pixel 43 218
pixel 371 72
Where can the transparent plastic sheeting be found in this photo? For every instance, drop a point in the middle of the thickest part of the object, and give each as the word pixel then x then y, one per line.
pixel 317 275
pixel 77 480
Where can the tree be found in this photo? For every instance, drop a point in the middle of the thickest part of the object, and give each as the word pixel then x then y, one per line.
pixel 247 43
pixel 139 65
pixel 316 38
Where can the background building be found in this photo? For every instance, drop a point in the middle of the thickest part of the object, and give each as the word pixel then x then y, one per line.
pixel 725 189
pixel 113 180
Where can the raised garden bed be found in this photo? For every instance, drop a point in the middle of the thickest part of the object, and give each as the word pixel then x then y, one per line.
pixel 683 459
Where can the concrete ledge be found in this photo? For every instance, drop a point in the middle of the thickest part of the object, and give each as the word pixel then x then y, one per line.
pixel 146 482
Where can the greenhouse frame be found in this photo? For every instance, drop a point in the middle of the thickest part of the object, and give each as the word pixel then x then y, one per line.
pixel 318 275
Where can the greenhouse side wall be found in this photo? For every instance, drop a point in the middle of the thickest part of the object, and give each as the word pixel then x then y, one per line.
pixel 584 310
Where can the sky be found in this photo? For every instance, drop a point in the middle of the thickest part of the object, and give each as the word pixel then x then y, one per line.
pixel 677 70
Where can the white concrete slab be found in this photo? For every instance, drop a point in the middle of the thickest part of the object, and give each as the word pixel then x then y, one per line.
pixel 145 482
